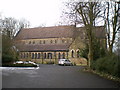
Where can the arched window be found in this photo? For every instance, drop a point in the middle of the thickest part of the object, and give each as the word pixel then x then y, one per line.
pixel 33 42
pixel 59 55
pixel 40 42
pixel 78 54
pixel 32 55
pixel 24 56
pixel 44 42
pixel 49 55
pixel 44 55
pixel 55 41
pixel 35 55
pixel 72 54
pixel 51 41
pixel 63 55
pixel 20 55
pixel 27 55
pixel 38 56
pixel 29 42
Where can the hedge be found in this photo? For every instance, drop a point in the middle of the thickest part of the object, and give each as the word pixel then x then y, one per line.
pixel 109 64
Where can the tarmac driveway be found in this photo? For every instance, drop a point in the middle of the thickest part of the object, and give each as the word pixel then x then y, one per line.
pixel 53 76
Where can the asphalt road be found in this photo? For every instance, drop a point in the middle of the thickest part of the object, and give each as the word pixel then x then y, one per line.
pixel 53 76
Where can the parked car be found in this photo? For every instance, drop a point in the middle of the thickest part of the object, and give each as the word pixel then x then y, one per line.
pixel 64 62
pixel 31 62
pixel 25 62
pixel 18 62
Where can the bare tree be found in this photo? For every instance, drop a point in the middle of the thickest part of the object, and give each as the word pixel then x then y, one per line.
pixel 11 26
pixel 112 23
pixel 86 13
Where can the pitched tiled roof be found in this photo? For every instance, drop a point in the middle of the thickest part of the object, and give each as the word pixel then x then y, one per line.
pixel 57 32
pixel 61 47
pixel 99 32
pixel 46 32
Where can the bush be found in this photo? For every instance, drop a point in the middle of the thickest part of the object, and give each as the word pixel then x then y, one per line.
pixel 98 50
pixel 50 62
pixel 7 58
pixel 109 64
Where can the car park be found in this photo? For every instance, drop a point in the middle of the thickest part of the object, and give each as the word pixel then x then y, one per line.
pixel 65 62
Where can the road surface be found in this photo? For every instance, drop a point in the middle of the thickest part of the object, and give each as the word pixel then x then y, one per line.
pixel 53 76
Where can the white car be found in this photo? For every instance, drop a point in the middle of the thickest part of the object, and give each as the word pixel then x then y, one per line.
pixel 64 62
pixel 18 62
pixel 31 62
pixel 25 62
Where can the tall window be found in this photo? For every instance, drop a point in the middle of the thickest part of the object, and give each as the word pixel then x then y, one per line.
pixel 24 56
pixel 44 55
pixel 78 54
pixel 59 55
pixel 35 55
pixel 40 42
pixel 21 55
pixel 63 55
pixel 72 54
pixel 55 41
pixel 44 42
pixel 49 55
pixel 33 42
pixel 51 41
pixel 29 42
pixel 27 55
pixel 38 55
pixel 32 55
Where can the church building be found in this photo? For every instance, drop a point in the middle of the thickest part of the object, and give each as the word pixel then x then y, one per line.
pixel 49 44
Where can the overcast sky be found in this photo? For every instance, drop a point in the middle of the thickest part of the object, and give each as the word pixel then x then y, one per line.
pixel 38 12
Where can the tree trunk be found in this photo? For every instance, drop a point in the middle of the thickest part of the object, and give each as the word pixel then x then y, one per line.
pixel 90 54
pixel 110 49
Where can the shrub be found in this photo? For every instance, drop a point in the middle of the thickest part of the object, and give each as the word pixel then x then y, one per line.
pixel 109 64
pixel 7 58
pixel 98 50
pixel 50 62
